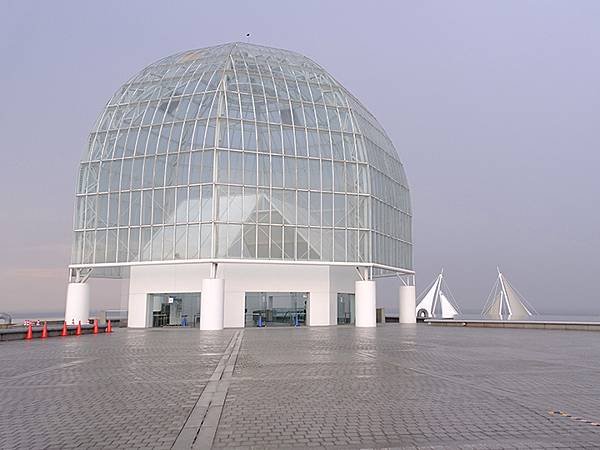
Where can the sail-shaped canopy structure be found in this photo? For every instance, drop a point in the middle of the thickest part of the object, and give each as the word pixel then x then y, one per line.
pixel 505 302
pixel 437 301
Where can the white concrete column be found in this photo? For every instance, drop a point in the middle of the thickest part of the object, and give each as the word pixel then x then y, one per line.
pixel 78 303
pixel 365 303
pixel 212 304
pixel 407 305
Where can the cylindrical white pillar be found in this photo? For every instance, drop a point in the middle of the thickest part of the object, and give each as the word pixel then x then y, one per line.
pixel 212 303
pixel 365 303
pixel 78 303
pixel 407 307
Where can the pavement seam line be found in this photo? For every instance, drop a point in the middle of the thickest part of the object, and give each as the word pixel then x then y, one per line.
pixel 202 416
pixel 210 423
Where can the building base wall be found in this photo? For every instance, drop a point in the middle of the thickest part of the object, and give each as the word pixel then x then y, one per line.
pixel 321 282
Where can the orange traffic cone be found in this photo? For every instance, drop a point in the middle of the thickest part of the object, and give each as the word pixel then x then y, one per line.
pixel 64 331
pixel 108 327
pixel 95 326
pixel 29 334
pixel 78 329
pixel 45 331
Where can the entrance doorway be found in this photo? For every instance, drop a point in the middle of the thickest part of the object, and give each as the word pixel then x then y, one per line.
pixel 175 310
pixel 276 308
pixel 345 307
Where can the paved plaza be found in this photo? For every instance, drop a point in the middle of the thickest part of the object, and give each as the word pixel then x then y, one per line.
pixel 394 386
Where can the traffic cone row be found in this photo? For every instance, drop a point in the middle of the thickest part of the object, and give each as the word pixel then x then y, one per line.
pixel 65 330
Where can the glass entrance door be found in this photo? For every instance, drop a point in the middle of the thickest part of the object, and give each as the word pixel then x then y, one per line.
pixel 175 309
pixel 345 307
pixel 276 308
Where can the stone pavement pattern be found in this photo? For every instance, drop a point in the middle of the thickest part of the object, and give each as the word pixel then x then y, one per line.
pixel 394 386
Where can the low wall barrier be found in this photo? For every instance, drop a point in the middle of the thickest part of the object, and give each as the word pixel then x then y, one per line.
pixel 523 324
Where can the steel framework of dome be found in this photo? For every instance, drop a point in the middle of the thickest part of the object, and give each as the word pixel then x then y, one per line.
pixel 236 154
pixel 240 152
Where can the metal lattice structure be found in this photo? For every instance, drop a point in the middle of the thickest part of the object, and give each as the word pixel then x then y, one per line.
pixel 240 152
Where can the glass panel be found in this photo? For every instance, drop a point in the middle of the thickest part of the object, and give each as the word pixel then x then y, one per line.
pixel 193 204
pixel 158 206
pixel 235 203
pixel 222 166
pixel 339 245
pixel 264 170
pixel 102 211
pixel 250 137
pixel 146 244
pixel 276 144
pixel 302 170
pixel 289 242
pixel 346 309
pixel 352 245
pixel 276 171
pixel 113 210
pixel 221 230
pixel 206 204
pixel 205 241
pixel 168 243
pixel 290 172
pixel 193 236
pixel 315 244
pixel 249 169
pixel 235 167
pixel 111 245
pixel 183 168
pixel 327 244
pixel 275 309
pixel 234 241
pixel 302 243
pixel 249 241
pixel 289 207
pixel 327 176
pixel 315 209
pixel 100 251
pixel 134 244
pixel 222 206
pixel 339 213
pixel 276 242
pixel 338 177
pixel 262 241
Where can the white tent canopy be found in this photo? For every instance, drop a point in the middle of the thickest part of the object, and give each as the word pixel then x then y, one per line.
pixel 437 301
pixel 505 301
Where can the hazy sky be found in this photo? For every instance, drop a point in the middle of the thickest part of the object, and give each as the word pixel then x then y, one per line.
pixel 493 106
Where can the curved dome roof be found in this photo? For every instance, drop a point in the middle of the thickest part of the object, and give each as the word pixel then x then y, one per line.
pixel 240 151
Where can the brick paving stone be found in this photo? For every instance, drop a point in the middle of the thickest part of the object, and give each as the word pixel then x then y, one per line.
pixel 389 387
pixel 413 386
pixel 131 388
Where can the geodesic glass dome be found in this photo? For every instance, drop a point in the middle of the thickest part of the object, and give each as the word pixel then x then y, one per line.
pixel 239 152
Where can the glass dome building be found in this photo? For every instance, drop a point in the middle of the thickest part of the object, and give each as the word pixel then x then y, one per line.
pixel 242 172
